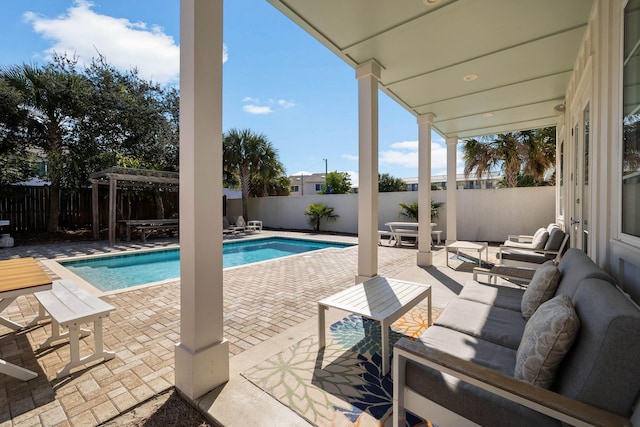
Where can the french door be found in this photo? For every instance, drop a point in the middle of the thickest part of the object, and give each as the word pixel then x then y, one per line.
pixel 580 171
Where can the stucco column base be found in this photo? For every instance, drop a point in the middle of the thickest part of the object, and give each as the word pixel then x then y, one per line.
pixel 198 373
pixel 360 279
pixel 425 259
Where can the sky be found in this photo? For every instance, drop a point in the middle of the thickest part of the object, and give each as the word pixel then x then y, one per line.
pixel 277 79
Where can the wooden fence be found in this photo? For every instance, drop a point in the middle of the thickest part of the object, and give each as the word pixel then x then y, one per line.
pixel 27 208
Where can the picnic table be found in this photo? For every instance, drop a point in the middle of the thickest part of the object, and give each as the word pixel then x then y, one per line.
pixel 400 229
pixel 148 226
pixel 19 277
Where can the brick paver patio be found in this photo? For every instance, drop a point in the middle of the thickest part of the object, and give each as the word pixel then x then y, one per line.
pixel 260 301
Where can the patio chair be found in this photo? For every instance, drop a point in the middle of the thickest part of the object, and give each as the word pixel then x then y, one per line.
pixel 518 275
pixel 553 249
pixel 536 241
pixel 226 227
pixel 240 225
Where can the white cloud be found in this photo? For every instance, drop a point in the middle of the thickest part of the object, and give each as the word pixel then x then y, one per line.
pixel 257 106
pixel 257 109
pixel 407 145
pixel 355 178
pixel 405 154
pixel 350 157
pixel 286 104
pixel 125 44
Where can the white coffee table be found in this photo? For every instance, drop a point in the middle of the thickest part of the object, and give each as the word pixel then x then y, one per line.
pixel 474 246
pixel 381 299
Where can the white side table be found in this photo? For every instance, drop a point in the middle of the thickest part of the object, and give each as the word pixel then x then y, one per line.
pixel 461 244
pixel 381 299
pixel 254 225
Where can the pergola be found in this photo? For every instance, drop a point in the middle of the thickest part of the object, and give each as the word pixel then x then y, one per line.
pixel 125 177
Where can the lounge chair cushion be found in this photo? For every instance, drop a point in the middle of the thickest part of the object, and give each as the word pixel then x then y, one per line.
pixel 537 242
pixel 547 338
pixel 542 288
pixel 540 238
pixel 556 236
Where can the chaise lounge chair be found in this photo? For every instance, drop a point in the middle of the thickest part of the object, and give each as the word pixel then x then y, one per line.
pixel 240 225
pixel 553 249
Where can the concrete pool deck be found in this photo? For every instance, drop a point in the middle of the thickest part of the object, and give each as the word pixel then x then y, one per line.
pixel 266 306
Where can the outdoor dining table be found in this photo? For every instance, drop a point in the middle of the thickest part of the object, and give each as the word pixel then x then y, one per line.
pixel 400 229
pixel 19 277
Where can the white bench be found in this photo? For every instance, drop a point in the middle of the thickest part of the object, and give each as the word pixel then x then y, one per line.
pixel 71 306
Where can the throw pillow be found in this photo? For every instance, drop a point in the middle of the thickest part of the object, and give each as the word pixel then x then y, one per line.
pixel 542 287
pixel 547 338
pixel 539 239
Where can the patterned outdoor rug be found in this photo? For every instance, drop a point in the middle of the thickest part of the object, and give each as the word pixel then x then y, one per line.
pixel 340 385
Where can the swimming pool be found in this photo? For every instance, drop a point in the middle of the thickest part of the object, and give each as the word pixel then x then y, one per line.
pixel 113 272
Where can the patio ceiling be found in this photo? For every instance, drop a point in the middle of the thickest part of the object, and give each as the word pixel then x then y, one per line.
pixel 522 52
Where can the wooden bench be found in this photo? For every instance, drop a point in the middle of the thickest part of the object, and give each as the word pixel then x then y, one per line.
pixel 71 306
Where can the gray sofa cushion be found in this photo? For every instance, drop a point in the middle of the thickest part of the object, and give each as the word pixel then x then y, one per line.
pixel 580 267
pixel 469 401
pixel 473 349
pixel 602 368
pixel 497 295
pixel 547 338
pixel 494 324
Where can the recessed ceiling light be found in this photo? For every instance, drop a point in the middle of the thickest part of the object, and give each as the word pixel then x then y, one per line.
pixel 430 2
pixel 470 77
pixel 487 115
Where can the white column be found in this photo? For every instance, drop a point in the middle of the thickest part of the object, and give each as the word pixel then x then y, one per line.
pixel 202 356
pixel 425 257
pixel 452 188
pixel 368 75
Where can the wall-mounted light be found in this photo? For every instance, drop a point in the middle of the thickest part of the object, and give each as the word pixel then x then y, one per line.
pixel 560 108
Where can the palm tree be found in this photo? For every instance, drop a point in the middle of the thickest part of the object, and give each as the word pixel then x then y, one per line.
pixel 51 96
pixel 316 212
pixel 249 158
pixel 531 152
pixel 410 210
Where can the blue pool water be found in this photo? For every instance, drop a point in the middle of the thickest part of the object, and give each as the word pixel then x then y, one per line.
pixel 109 273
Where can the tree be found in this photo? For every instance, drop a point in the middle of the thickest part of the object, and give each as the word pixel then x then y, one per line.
pixel 318 211
pixel 52 97
pixel 410 210
pixel 388 183
pixel 14 159
pixel 81 121
pixel 530 152
pixel 336 183
pixel 249 158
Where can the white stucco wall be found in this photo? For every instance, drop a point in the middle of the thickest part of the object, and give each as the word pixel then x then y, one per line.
pixel 483 215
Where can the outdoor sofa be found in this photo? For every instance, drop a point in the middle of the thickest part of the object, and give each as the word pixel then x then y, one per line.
pixel 460 371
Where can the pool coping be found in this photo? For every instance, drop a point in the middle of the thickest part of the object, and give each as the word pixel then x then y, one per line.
pixel 64 273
